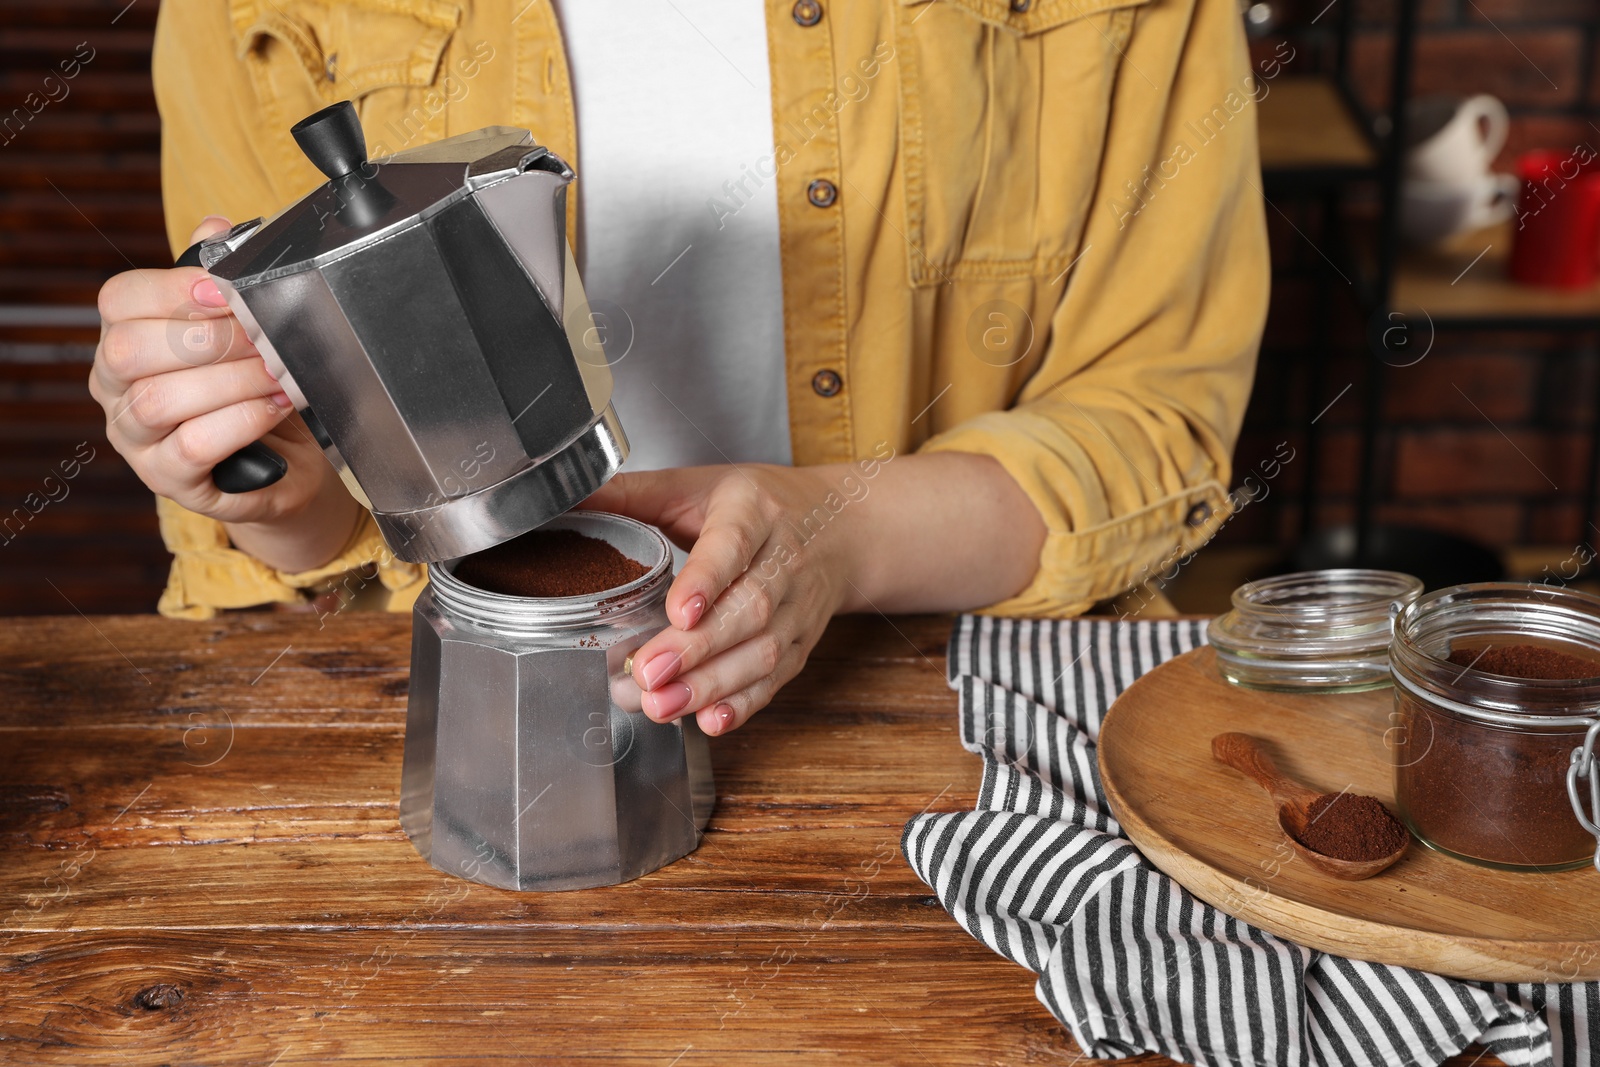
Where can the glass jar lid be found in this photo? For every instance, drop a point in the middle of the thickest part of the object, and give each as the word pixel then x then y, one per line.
pixel 1321 630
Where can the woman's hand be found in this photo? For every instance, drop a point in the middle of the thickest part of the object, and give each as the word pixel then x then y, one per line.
pixel 777 551
pixel 183 388
pixel 766 571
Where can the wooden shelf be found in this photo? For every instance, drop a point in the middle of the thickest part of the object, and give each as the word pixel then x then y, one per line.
pixel 1449 286
pixel 1306 125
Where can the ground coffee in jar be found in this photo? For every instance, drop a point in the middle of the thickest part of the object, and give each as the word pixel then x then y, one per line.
pixel 549 563
pixel 1495 686
pixel 1525 661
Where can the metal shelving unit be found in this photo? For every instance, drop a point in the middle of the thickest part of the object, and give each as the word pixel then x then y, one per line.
pixel 1319 141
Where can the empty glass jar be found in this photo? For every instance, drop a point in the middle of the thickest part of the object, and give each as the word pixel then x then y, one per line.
pixel 1313 630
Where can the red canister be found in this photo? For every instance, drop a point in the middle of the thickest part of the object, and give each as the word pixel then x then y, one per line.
pixel 1556 232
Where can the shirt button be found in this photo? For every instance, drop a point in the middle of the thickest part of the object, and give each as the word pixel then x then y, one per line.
pixel 1198 514
pixel 822 192
pixel 1021 6
pixel 827 383
pixel 808 12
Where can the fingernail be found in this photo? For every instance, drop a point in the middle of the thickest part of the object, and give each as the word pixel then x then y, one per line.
pixel 206 294
pixel 281 401
pixel 667 702
pixel 661 668
pixel 216 218
pixel 723 717
pixel 693 608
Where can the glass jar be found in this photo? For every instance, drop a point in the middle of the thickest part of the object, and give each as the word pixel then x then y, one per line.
pixel 1481 760
pixel 1319 630
pixel 527 762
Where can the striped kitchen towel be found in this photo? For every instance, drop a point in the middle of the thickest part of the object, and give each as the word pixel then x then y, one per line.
pixel 1128 959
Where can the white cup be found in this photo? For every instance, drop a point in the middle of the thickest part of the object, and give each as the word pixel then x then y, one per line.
pixel 1432 211
pixel 1451 139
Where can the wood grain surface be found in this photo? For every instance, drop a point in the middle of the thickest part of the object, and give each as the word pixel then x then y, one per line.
pixel 201 865
pixel 1217 833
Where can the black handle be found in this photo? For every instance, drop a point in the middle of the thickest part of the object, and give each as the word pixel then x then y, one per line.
pixel 255 466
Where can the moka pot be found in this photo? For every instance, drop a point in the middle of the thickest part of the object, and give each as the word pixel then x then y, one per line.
pixel 424 314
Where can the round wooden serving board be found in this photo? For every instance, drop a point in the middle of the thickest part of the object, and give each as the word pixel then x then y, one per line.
pixel 1215 831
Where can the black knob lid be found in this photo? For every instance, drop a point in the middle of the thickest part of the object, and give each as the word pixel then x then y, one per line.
pixel 332 139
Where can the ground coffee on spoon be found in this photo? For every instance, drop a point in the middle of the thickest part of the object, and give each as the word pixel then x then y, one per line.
pixel 1351 826
pixel 549 563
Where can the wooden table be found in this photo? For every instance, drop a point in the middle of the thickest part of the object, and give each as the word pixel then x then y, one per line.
pixel 201 864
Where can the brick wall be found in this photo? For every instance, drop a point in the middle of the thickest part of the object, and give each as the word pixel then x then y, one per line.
pixel 1511 470
pixel 1537 56
pixel 80 200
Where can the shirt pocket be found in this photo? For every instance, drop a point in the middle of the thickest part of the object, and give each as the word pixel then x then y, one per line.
pixel 303 55
pixel 1003 121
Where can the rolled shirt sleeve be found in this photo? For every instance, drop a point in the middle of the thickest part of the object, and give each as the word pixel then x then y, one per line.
pixel 208 573
pixel 1123 436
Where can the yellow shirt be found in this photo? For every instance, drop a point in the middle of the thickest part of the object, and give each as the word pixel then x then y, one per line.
pixel 1044 240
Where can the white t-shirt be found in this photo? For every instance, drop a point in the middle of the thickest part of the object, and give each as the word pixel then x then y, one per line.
pixel 678 231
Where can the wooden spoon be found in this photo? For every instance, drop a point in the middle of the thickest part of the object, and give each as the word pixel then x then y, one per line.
pixel 1245 754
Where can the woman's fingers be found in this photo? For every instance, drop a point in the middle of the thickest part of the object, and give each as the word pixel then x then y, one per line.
pixel 183 388
pixel 210 225
pixel 181 462
pixel 751 670
pixel 135 349
pixel 742 611
pixel 153 407
pixel 736 525
pixel 733 710
pixel 750 601
pixel 720 510
pixel 664 498
pixel 154 321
